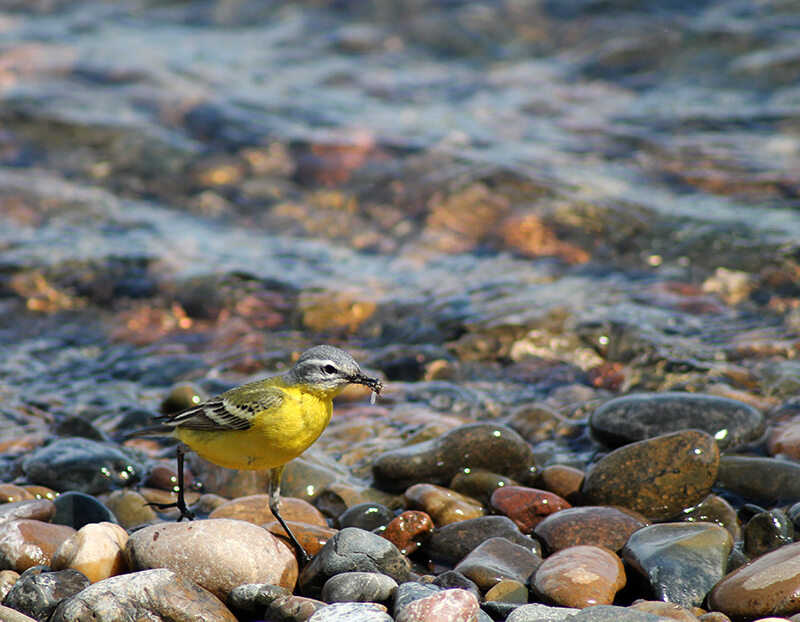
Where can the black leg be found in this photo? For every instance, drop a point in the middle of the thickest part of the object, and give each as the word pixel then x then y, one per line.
pixel 181 502
pixel 274 506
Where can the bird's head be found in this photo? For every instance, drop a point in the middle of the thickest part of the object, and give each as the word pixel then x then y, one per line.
pixel 328 370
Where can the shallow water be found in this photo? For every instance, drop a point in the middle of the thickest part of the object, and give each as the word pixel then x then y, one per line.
pixel 562 200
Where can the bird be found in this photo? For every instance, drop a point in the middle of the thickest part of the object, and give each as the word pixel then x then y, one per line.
pixel 266 423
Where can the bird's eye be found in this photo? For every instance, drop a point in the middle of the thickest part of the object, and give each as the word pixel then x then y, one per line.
pixel 329 369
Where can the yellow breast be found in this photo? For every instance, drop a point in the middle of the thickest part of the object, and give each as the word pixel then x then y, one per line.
pixel 277 435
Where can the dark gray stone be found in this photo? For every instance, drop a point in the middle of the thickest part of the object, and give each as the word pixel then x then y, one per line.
pixel 612 613
pixel 636 417
pixel 77 509
pixel 254 598
pixel 82 465
pixel 450 579
pixel 451 543
pixel 763 480
pixel 766 532
pixel 534 612
pixel 37 592
pixel 367 516
pixel 488 446
pixel 362 587
pixel 353 550
pixel 681 561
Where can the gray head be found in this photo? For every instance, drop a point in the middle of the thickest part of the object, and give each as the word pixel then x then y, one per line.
pixel 328 370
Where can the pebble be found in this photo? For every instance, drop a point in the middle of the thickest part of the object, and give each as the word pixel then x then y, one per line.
pixel 130 508
pixel 255 509
pixel 353 550
pixel 358 587
pixel 408 531
pixel 580 576
pixel 508 591
pixel 217 554
pixel 682 561
pixel 536 611
pixel 767 586
pixel 443 505
pixel 77 509
pixel 252 599
pixel 597 525
pixel 351 612
pixel 292 608
pixel 762 480
pixel 487 446
pixel 7 580
pixel 158 594
pixel 641 416
pixel 527 507
pixel 785 440
pixel 666 610
pixel 715 509
pixel 11 493
pixel 81 465
pixel 96 550
pixel 311 537
pixel 767 531
pixel 658 477
pixel 38 593
pixel 35 509
pixel 452 543
pixel 611 613
pixel 450 579
pixel 7 614
pixel 367 516
pixel 562 480
pixel 41 492
pixel 497 559
pixel 446 606
pixel 25 543
pixel 479 484
pixel 181 396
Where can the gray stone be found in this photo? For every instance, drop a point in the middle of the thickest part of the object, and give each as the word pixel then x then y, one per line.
pixel 636 417
pixel 767 531
pixel 612 613
pixel 762 480
pixel 531 613
pixel 367 516
pixel 351 612
pixel 451 543
pixel 37 593
pixel 254 598
pixel 77 509
pixel 358 587
pixel 353 550
pixel 682 561
pixel 151 595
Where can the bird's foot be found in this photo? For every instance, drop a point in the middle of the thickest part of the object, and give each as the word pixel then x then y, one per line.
pixel 185 512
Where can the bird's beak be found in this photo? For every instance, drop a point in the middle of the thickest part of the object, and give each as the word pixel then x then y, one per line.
pixel 373 383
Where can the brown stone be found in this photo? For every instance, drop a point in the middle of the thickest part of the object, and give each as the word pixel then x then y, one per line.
pixel 604 526
pixel 312 537
pixel 25 543
pixel 527 507
pixel 408 531
pixel 96 550
pixel 665 610
pixel 36 509
pixel 255 509
pixel 497 559
pixel 580 576
pixel 443 505
pixel 11 492
pixel 562 480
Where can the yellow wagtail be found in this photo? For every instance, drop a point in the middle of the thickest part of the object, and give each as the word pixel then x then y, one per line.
pixel 266 423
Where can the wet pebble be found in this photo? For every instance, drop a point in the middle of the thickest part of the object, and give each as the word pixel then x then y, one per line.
pixel 217 554
pixel 130 508
pixel 453 542
pixel 479 484
pixel 35 509
pixel 311 537
pixel 767 531
pixel 508 591
pixel 681 561
pixel 96 550
pixel 37 593
pixel 497 559
pixel 11 493
pixel 612 613
pixel 408 531
pixel 763 480
pixel 25 543
pixel 7 580
pixel 562 480
pixel 77 509
pixel 353 550
pixel 7 614
pixel 580 576
pixel 487 446
pixel 181 396
pixel 358 587
pixel 598 525
pixel 658 477
pixel 715 509
pixel 443 505
pixel 666 610
pixel 367 516
pixel 351 612
pixel 527 507
pixel 81 465
pixel 767 586
pixel 255 509
pixel 453 579
pixel 158 594
pixel 446 606
pixel 252 599
pixel 641 416
pixel 292 608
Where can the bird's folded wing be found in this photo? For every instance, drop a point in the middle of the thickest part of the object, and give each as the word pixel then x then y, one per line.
pixel 233 410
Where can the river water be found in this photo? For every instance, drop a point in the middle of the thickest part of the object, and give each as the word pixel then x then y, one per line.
pixel 493 203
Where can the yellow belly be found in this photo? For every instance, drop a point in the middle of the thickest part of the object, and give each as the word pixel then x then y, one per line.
pixel 276 436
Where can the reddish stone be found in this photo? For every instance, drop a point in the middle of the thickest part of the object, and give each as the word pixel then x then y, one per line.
pixel 255 509
pixel 580 576
pixel 561 480
pixel 527 507
pixel 312 537
pixel 408 531
pixel 25 543
pixel 604 526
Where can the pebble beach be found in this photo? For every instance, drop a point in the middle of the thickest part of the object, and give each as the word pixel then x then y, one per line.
pixel 565 236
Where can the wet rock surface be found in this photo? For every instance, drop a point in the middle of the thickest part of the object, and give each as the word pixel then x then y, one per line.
pixel 606 526
pixel 453 542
